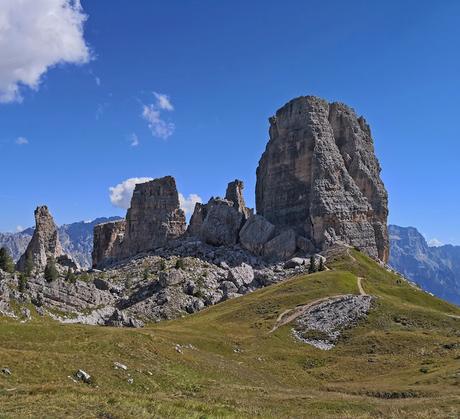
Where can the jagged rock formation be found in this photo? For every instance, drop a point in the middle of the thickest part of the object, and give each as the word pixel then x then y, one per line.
pixel 153 220
pixel 435 269
pixel 234 193
pixel 44 245
pixel 220 220
pixel 319 175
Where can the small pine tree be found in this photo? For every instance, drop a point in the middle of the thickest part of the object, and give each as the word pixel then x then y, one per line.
pixel 312 267
pixel 29 266
pixel 51 273
pixel 180 263
pixel 22 282
pixel 162 265
pixel 70 276
pixel 321 265
pixel 145 274
pixel 6 261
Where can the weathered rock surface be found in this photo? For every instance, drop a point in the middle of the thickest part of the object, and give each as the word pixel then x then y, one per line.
pixel 153 220
pixel 154 217
pixel 44 245
pixel 234 193
pixel 222 223
pixel 255 233
pixel 281 247
pixel 319 175
pixel 107 241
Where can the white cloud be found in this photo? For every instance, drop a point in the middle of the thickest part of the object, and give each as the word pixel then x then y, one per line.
pixel 120 195
pixel 152 114
pixel 22 141
pixel 188 204
pixel 19 229
pixel 163 102
pixel 134 140
pixel 97 80
pixel 34 36
pixel 434 243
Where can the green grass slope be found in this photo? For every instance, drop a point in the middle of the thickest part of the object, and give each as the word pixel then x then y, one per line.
pixel 403 361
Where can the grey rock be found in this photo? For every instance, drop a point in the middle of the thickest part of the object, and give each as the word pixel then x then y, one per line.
pixel 222 223
pixel 120 319
pixel 172 277
pixel 44 245
pixel 83 376
pixel 255 233
pixel 294 262
pixel 234 193
pixel 319 176
pixel 281 247
pixel 228 288
pixel 241 275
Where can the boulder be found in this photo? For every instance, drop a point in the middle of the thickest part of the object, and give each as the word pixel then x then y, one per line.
pixel 172 277
pixel 241 275
pixel 107 241
pixel 222 223
pixel 281 247
pixel 255 233
pixel 294 262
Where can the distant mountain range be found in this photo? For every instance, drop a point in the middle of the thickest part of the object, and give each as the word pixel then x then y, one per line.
pixel 435 269
pixel 76 240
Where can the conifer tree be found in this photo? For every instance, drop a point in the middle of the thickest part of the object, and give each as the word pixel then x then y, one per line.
pixel 6 261
pixel 312 267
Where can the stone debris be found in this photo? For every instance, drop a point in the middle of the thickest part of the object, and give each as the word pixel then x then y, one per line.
pixel 321 324
pixel 119 366
pixel 83 376
pixel 6 371
pixel 130 380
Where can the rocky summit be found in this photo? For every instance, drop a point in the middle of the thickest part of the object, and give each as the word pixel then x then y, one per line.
pixel 319 176
pixel 44 245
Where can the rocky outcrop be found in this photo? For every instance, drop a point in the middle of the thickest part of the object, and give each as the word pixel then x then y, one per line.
pixel 153 220
pixel 220 220
pixel 107 241
pixel 154 217
pixel 234 193
pixel 222 223
pixel 44 245
pixel 320 177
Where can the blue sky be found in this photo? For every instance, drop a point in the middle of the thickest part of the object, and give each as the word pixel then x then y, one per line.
pixel 220 69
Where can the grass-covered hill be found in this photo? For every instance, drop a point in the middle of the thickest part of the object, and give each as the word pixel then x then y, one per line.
pixel 402 361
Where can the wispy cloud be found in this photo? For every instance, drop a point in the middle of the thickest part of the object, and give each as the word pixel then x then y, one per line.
pixel 152 113
pixel 36 35
pixel 163 101
pixel 134 140
pixel 22 141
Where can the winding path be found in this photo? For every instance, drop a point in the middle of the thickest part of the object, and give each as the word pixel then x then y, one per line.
pixel 289 315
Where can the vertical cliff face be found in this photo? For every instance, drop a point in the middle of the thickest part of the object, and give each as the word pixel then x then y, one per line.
pixel 319 176
pixel 153 219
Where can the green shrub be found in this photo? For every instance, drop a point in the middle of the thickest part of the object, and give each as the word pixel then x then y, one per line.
pixel 70 276
pixel 180 263
pixel 6 261
pixel 312 267
pixel 51 273
pixel 22 282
